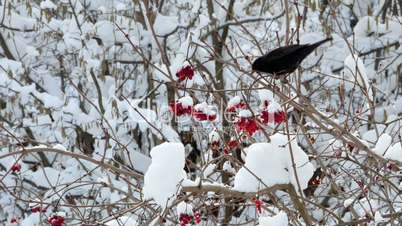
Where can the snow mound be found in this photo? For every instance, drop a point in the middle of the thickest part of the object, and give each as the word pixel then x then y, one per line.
pixel 165 172
pixel 356 71
pixel 235 100
pixel 47 5
pixel 394 152
pixel 186 101
pixel 122 221
pixel 271 164
pixel 365 26
pixel 281 219
pixel 383 148
pixel 383 144
pixel 165 24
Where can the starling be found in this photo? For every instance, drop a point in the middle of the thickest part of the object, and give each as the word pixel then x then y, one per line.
pixel 286 59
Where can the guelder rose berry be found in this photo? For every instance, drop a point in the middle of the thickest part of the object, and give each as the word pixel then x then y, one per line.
pixel 236 104
pixel 272 112
pixel 16 168
pixel 186 72
pixel 56 220
pixel 204 112
pixel 183 106
pixel 247 123
pixel 258 204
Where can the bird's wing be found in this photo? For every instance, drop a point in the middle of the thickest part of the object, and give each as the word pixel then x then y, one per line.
pixel 283 51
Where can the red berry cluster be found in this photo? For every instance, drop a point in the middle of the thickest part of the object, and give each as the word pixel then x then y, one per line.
pixel 178 109
pixel 16 168
pixel 186 72
pixel 315 181
pixel 38 209
pixel 15 220
pixel 189 219
pixel 200 112
pixel 258 204
pixel 185 219
pixel 247 124
pixel 264 117
pixel 233 108
pixel 279 116
pixel 201 116
pixel 56 220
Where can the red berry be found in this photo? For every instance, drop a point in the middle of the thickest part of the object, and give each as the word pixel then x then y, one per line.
pixel 14 220
pixel 232 144
pixel 178 109
pixel 201 116
pixel 279 117
pixel 197 217
pixel 56 220
pixel 315 182
pixel 38 209
pixel 265 117
pixel 16 168
pixel 186 72
pixel 233 108
pixel 258 204
pixel 248 125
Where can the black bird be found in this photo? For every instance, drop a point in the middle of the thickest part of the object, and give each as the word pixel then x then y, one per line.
pixel 286 59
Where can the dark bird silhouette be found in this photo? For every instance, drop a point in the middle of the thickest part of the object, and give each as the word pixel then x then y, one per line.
pixel 286 59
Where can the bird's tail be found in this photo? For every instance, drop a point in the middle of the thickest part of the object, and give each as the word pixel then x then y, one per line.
pixel 310 48
pixel 321 42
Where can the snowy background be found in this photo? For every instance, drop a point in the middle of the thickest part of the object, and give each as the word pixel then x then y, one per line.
pixel 146 112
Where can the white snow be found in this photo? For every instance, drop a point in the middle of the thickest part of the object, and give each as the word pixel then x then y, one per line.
pixel 186 101
pixel 356 71
pixel 184 208
pixel 348 202
pixel 106 31
pixel 265 94
pixel 164 25
pixel 233 101
pixel 280 219
pixel 32 220
pixel 205 108
pixel 47 4
pixel 245 113
pixel 271 164
pixel 122 221
pixel 378 218
pixel 50 101
pixel 46 177
pixel 214 136
pixel 383 143
pixel 161 181
pixel 60 147
pixel 394 152
pixel 365 26
pixel 274 107
pixel 227 167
